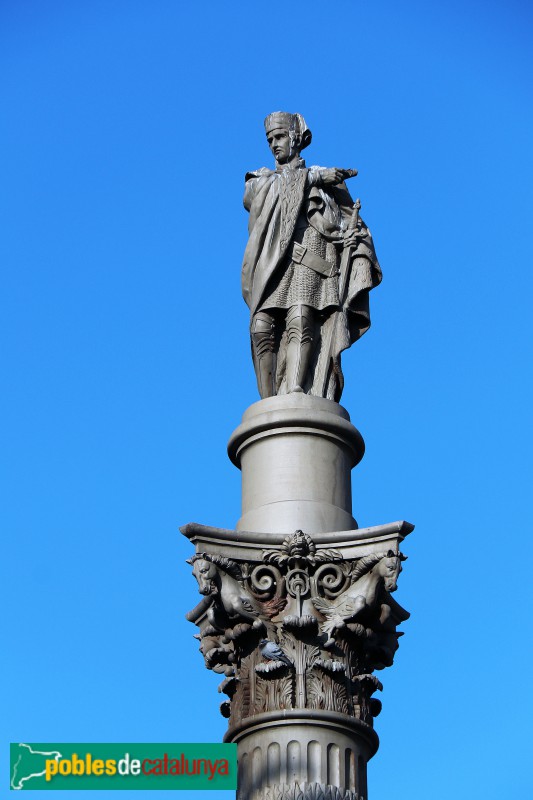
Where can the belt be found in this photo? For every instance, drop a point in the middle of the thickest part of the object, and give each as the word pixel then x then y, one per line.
pixel 302 255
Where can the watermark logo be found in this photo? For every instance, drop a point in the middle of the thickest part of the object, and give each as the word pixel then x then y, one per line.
pixel 123 766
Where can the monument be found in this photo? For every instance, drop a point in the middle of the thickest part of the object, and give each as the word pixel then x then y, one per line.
pixel 297 612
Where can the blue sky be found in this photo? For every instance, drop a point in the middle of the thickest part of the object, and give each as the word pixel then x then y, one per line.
pixel 127 129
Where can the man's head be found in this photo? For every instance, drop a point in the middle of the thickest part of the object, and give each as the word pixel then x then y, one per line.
pixel 287 135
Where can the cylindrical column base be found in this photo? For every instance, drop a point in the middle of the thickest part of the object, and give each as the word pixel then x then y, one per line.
pixel 296 453
pixel 311 750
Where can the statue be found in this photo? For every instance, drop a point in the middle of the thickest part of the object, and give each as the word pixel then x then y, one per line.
pixel 308 267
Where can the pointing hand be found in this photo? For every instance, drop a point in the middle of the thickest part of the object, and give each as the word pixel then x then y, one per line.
pixel 333 175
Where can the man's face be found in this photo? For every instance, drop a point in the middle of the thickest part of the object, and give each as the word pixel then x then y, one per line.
pixel 280 144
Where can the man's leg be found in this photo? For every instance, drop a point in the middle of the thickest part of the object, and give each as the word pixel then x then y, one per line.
pixel 263 350
pixel 300 326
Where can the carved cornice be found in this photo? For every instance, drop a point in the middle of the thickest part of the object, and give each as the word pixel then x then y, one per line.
pixel 250 544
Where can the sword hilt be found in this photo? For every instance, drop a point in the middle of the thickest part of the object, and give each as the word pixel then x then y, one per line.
pixel 354 219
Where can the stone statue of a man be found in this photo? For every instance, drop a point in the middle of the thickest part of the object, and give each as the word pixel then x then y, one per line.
pixel 308 267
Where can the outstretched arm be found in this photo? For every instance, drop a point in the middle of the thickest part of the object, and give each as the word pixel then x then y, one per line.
pixel 330 176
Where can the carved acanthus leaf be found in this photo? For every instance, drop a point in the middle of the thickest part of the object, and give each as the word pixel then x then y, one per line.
pixel 327 555
pixel 285 692
pixel 306 621
pixel 270 667
pixel 370 681
pixel 329 665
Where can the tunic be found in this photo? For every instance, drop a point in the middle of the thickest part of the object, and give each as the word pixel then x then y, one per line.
pixel 297 283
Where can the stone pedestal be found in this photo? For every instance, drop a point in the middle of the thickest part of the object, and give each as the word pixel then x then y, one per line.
pixel 296 453
pixel 297 611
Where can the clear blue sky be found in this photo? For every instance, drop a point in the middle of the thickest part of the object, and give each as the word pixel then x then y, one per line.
pixel 127 128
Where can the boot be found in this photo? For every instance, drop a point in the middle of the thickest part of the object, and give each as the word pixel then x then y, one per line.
pixel 300 336
pixel 263 351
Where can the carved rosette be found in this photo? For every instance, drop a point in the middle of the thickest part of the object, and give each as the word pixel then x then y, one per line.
pixel 302 628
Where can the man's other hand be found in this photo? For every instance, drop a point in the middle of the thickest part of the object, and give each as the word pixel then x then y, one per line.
pixel 352 238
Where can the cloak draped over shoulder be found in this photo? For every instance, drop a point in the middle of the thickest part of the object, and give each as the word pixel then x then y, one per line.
pixel 275 200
